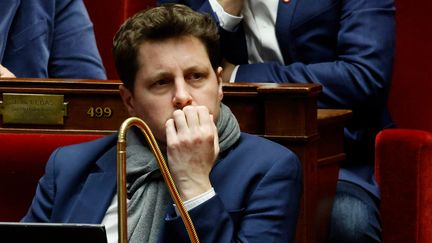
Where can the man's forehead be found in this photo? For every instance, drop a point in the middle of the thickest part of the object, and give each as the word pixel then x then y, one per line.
pixel 179 51
pixel 174 41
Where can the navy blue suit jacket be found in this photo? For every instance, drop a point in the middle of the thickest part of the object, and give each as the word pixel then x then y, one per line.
pixel 48 39
pixel 347 46
pixel 257 184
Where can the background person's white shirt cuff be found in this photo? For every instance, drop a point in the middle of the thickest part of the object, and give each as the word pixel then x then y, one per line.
pixel 226 21
pixel 196 201
pixel 234 74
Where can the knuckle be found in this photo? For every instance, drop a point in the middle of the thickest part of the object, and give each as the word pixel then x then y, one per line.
pixel 178 113
pixel 188 109
pixel 173 145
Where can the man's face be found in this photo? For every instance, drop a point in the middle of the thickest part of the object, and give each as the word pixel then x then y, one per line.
pixel 173 73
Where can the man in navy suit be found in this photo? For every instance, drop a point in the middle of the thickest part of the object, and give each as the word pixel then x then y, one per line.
pixel 48 39
pixel 346 46
pixel 237 187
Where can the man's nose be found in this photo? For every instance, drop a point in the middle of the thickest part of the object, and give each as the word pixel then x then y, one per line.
pixel 182 96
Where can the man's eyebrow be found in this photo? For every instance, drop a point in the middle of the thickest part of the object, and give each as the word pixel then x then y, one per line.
pixel 196 67
pixel 158 75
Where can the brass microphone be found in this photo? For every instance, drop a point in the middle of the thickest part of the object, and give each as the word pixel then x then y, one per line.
pixel 121 179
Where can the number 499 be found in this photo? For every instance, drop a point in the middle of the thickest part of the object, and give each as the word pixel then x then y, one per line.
pixel 99 112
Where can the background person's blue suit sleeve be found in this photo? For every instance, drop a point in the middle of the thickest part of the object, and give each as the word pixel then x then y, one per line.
pixel 49 39
pixel 346 46
pixel 74 51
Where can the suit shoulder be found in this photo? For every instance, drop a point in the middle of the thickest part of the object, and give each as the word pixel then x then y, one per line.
pixel 258 151
pixel 262 144
pixel 86 149
pixel 108 140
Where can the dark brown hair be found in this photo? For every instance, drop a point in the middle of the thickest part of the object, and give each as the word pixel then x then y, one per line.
pixel 158 24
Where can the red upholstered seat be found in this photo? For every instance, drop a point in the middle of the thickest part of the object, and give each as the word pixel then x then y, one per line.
pixel 404 155
pixel 404 171
pixel 22 162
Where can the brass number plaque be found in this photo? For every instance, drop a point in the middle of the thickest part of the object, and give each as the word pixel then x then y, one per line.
pixel 38 109
pixel 99 112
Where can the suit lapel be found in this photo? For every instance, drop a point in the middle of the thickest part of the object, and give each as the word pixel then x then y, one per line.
pixel 8 9
pixel 283 22
pixel 97 192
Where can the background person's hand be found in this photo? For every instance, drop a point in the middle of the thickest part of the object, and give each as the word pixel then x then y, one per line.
pixel 5 73
pixel 233 7
pixel 192 148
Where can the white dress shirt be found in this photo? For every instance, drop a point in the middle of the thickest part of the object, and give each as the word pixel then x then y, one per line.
pixel 259 26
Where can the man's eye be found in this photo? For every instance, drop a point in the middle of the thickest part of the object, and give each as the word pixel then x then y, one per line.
pixel 160 82
pixel 195 76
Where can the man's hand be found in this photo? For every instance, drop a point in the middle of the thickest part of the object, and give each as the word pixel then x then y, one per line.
pixel 192 148
pixel 233 7
pixel 5 73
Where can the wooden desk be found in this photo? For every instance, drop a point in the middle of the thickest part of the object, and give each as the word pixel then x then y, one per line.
pixel 286 114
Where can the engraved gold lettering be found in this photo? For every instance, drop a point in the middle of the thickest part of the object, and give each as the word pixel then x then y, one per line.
pixel 45 109
pixel 99 112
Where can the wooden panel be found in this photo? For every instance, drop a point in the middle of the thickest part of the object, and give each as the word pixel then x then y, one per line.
pixel 81 95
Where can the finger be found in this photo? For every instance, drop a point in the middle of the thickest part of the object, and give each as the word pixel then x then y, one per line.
pixel 171 133
pixel 216 137
pixel 192 118
pixel 180 121
pixel 207 124
pixel 214 127
pixel 204 117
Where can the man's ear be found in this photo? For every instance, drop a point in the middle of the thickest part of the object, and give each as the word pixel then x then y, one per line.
pixel 220 81
pixel 128 100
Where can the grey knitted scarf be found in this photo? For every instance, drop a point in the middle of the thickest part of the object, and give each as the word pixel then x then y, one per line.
pixel 147 191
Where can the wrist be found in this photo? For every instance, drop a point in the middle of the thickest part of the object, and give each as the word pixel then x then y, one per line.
pixel 189 191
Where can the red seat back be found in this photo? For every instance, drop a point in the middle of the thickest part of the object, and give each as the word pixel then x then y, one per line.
pixel 107 20
pixel 22 162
